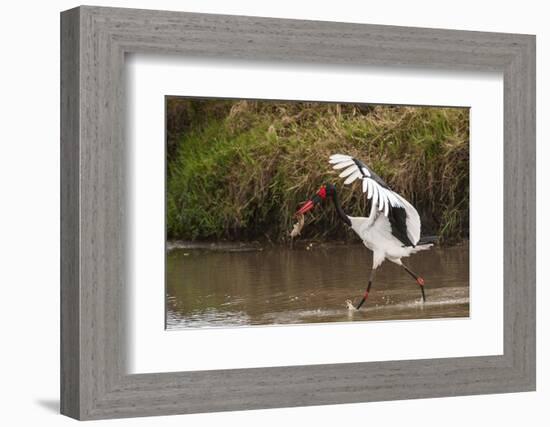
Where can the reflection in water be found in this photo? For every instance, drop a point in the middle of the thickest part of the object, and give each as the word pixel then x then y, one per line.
pixel 277 285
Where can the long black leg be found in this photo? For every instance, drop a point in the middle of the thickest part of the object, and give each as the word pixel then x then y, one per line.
pixel 418 279
pixel 371 278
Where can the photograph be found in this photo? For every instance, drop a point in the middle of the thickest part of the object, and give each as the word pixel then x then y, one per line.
pixel 292 212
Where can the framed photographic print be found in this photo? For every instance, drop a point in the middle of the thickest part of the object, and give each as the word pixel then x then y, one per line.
pixel 338 212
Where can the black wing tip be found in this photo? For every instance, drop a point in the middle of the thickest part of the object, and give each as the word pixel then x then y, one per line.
pixel 398 222
pixel 360 165
pixel 373 175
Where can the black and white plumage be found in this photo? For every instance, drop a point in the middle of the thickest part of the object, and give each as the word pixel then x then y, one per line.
pixel 392 228
pixel 388 208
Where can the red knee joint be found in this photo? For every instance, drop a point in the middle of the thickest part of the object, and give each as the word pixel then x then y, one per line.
pixel 366 294
pixel 420 281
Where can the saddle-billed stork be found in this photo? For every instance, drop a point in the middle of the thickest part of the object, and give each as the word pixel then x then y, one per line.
pixel 392 229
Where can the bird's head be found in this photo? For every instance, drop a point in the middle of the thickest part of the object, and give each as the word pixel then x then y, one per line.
pixel 326 191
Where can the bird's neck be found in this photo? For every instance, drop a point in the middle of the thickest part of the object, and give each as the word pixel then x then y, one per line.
pixel 341 214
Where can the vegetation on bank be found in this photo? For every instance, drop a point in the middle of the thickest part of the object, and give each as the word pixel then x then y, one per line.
pixel 238 170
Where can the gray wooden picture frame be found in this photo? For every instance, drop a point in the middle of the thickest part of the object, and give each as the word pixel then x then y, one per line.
pixel 94 382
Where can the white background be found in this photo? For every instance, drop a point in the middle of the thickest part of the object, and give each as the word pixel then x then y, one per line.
pixel 152 349
pixel 29 214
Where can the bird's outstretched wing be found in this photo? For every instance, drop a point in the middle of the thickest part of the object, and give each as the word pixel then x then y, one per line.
pixel 402 215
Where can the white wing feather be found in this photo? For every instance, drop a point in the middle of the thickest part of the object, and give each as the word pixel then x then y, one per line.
pixel 383 198
pixel 348 171
pixel 343 164
pixel 354 175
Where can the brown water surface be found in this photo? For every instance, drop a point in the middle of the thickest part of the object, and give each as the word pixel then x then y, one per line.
pixel 277 285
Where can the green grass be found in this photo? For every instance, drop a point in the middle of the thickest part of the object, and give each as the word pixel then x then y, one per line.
pixel 241 174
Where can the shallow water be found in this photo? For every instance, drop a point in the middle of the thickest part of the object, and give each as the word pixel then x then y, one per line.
pixel 277 285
